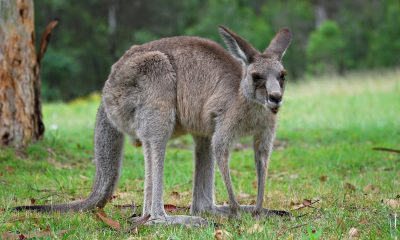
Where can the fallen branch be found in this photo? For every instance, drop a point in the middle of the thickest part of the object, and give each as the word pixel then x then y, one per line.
pixel 386 149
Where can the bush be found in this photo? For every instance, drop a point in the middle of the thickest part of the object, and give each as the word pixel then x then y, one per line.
pixel 324 49
pixel 385 44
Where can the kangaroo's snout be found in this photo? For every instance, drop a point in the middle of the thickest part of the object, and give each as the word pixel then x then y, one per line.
pixel 275 97
pixel 274 101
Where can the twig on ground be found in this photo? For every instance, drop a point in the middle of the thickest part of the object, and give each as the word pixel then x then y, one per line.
pixel 386 149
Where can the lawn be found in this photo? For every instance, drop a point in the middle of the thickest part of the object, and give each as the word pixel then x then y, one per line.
pixel 324 155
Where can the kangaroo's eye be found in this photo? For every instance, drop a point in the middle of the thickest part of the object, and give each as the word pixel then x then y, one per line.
pixel 282 77
pixel 256 77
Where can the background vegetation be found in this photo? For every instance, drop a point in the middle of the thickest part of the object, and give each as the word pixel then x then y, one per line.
pixel 329 36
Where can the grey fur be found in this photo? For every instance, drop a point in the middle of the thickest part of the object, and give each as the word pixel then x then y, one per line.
pixel 180 85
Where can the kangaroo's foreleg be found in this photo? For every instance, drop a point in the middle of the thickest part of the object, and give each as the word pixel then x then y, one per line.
pixel 203 195
pixel 220 146
pixel 262 151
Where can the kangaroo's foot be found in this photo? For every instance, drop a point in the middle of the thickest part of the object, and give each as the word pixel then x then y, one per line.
pixel 225 211
pixel 188 221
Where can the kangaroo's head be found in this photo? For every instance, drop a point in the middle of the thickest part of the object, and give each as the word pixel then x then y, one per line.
pixel 264 76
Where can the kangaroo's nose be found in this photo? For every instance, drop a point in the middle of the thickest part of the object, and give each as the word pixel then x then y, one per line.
pixel 275 97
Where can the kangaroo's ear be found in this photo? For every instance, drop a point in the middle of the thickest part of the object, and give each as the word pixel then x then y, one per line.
pixel 237 46
pixel 279 44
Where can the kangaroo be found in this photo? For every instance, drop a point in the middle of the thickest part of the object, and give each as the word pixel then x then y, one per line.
pixel 179 85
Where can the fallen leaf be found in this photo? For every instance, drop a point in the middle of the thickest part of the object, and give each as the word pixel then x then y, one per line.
pixel 170 208
pixel 354 233
pixel 33 201
pixel 9 169
pixel 175 195
pixel 21 153
pixel 254 184
pixel 290 237
pixel 363 221
pixel 393 203
pixel 307 202
pixel 242 196
pixel 323 178
pixel 340 223
pixel 83 177
pixel 41 234
pixel 350 187
pixel 371 189
pixel 9 236
pixel 280 144
pixel 137 143
pixel 123 195
pixel 50 151
pixel 173 208
pixel 111 223
pixel 183 194
pixel 222 234
pixel 58 164
pixel 256 228
pixel 294 176
pixel 235 172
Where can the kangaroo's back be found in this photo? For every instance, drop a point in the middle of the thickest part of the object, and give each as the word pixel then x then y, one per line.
pixel 207 78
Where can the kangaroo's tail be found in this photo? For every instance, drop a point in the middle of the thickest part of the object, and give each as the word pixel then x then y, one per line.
pixel 108 155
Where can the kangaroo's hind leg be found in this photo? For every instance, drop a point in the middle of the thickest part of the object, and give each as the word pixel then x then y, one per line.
pixel 154 131
pixel 203 179
pixel 141 93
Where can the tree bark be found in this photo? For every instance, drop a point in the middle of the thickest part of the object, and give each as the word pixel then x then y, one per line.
pixel 20 108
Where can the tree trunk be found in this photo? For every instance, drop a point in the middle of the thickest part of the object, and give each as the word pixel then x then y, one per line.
pixel 320 13
pixel 112 27
pixel 20 108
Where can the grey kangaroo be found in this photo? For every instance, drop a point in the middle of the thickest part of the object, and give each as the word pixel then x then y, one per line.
pixel 180 85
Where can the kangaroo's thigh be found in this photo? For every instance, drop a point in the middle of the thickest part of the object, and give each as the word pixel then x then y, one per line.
pixel 140 85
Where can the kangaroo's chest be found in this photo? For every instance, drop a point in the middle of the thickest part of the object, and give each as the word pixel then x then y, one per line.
pixel 254 121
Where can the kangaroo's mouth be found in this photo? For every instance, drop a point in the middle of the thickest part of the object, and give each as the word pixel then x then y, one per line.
pixel 272 106
pixel 274 110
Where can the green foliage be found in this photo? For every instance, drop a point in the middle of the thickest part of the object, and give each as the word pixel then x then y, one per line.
pixel 385 44
pixel 324 50
pixel 83 47
pixel 58 65
pixel 298 16
pixel 242 19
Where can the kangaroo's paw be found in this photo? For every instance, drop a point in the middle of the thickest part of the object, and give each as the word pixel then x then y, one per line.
pixel 188 221
pixel 217 210
pixel 264 212
pixel 221 210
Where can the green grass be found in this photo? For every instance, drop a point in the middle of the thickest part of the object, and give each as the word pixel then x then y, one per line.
pixel 329 126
